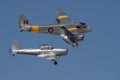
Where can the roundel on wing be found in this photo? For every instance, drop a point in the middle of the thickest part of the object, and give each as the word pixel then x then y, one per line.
pixel 50 30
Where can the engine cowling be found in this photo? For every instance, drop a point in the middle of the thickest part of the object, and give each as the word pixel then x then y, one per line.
pixel 66 39
pixel 80 37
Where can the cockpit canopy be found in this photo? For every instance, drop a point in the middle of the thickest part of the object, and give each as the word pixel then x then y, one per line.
pixel 46 47
pixel 82 23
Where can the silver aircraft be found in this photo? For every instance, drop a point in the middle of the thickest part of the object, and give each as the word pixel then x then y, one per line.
pixel 44 51
pixel 72 32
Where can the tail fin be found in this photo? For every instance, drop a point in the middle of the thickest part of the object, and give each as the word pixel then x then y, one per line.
pixel 15 47
pixel 23 23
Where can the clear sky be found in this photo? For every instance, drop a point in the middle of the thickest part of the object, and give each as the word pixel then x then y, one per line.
pixel 96 58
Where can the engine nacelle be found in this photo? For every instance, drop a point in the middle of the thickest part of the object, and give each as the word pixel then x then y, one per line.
pixel 80 37
pixel 66 39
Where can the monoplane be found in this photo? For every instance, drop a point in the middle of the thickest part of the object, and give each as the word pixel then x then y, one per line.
pixel 72 32
pixel 44 51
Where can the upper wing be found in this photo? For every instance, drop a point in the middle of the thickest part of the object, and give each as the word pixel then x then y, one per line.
pixel 62 17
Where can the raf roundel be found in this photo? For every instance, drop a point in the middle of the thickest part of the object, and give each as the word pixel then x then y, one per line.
pixel 50 30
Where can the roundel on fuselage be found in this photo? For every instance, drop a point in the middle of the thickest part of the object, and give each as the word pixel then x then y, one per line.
pixel 50 30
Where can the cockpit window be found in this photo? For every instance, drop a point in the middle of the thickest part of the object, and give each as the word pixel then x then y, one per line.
pixel 82 23
pixel 46 47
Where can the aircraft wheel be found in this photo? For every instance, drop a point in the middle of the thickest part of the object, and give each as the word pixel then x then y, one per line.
pixel 55 63
pixel 13 55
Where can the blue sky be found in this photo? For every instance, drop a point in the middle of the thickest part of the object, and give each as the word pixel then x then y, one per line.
pixel 96 58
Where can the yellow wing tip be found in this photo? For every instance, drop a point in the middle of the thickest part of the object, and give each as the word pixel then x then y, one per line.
pixel 62 16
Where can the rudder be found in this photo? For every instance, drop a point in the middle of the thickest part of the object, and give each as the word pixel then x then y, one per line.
pixel 23 21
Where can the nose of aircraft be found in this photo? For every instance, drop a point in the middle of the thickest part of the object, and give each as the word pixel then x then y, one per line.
pixel 89 29
pixel 61 52
pixel 65 51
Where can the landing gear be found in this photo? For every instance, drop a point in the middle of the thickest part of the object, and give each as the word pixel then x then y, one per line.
pixel 55 62
pixel 13 55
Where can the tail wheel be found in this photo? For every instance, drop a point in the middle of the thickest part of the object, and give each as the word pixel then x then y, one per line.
pixel 55 62
pixel 13 55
